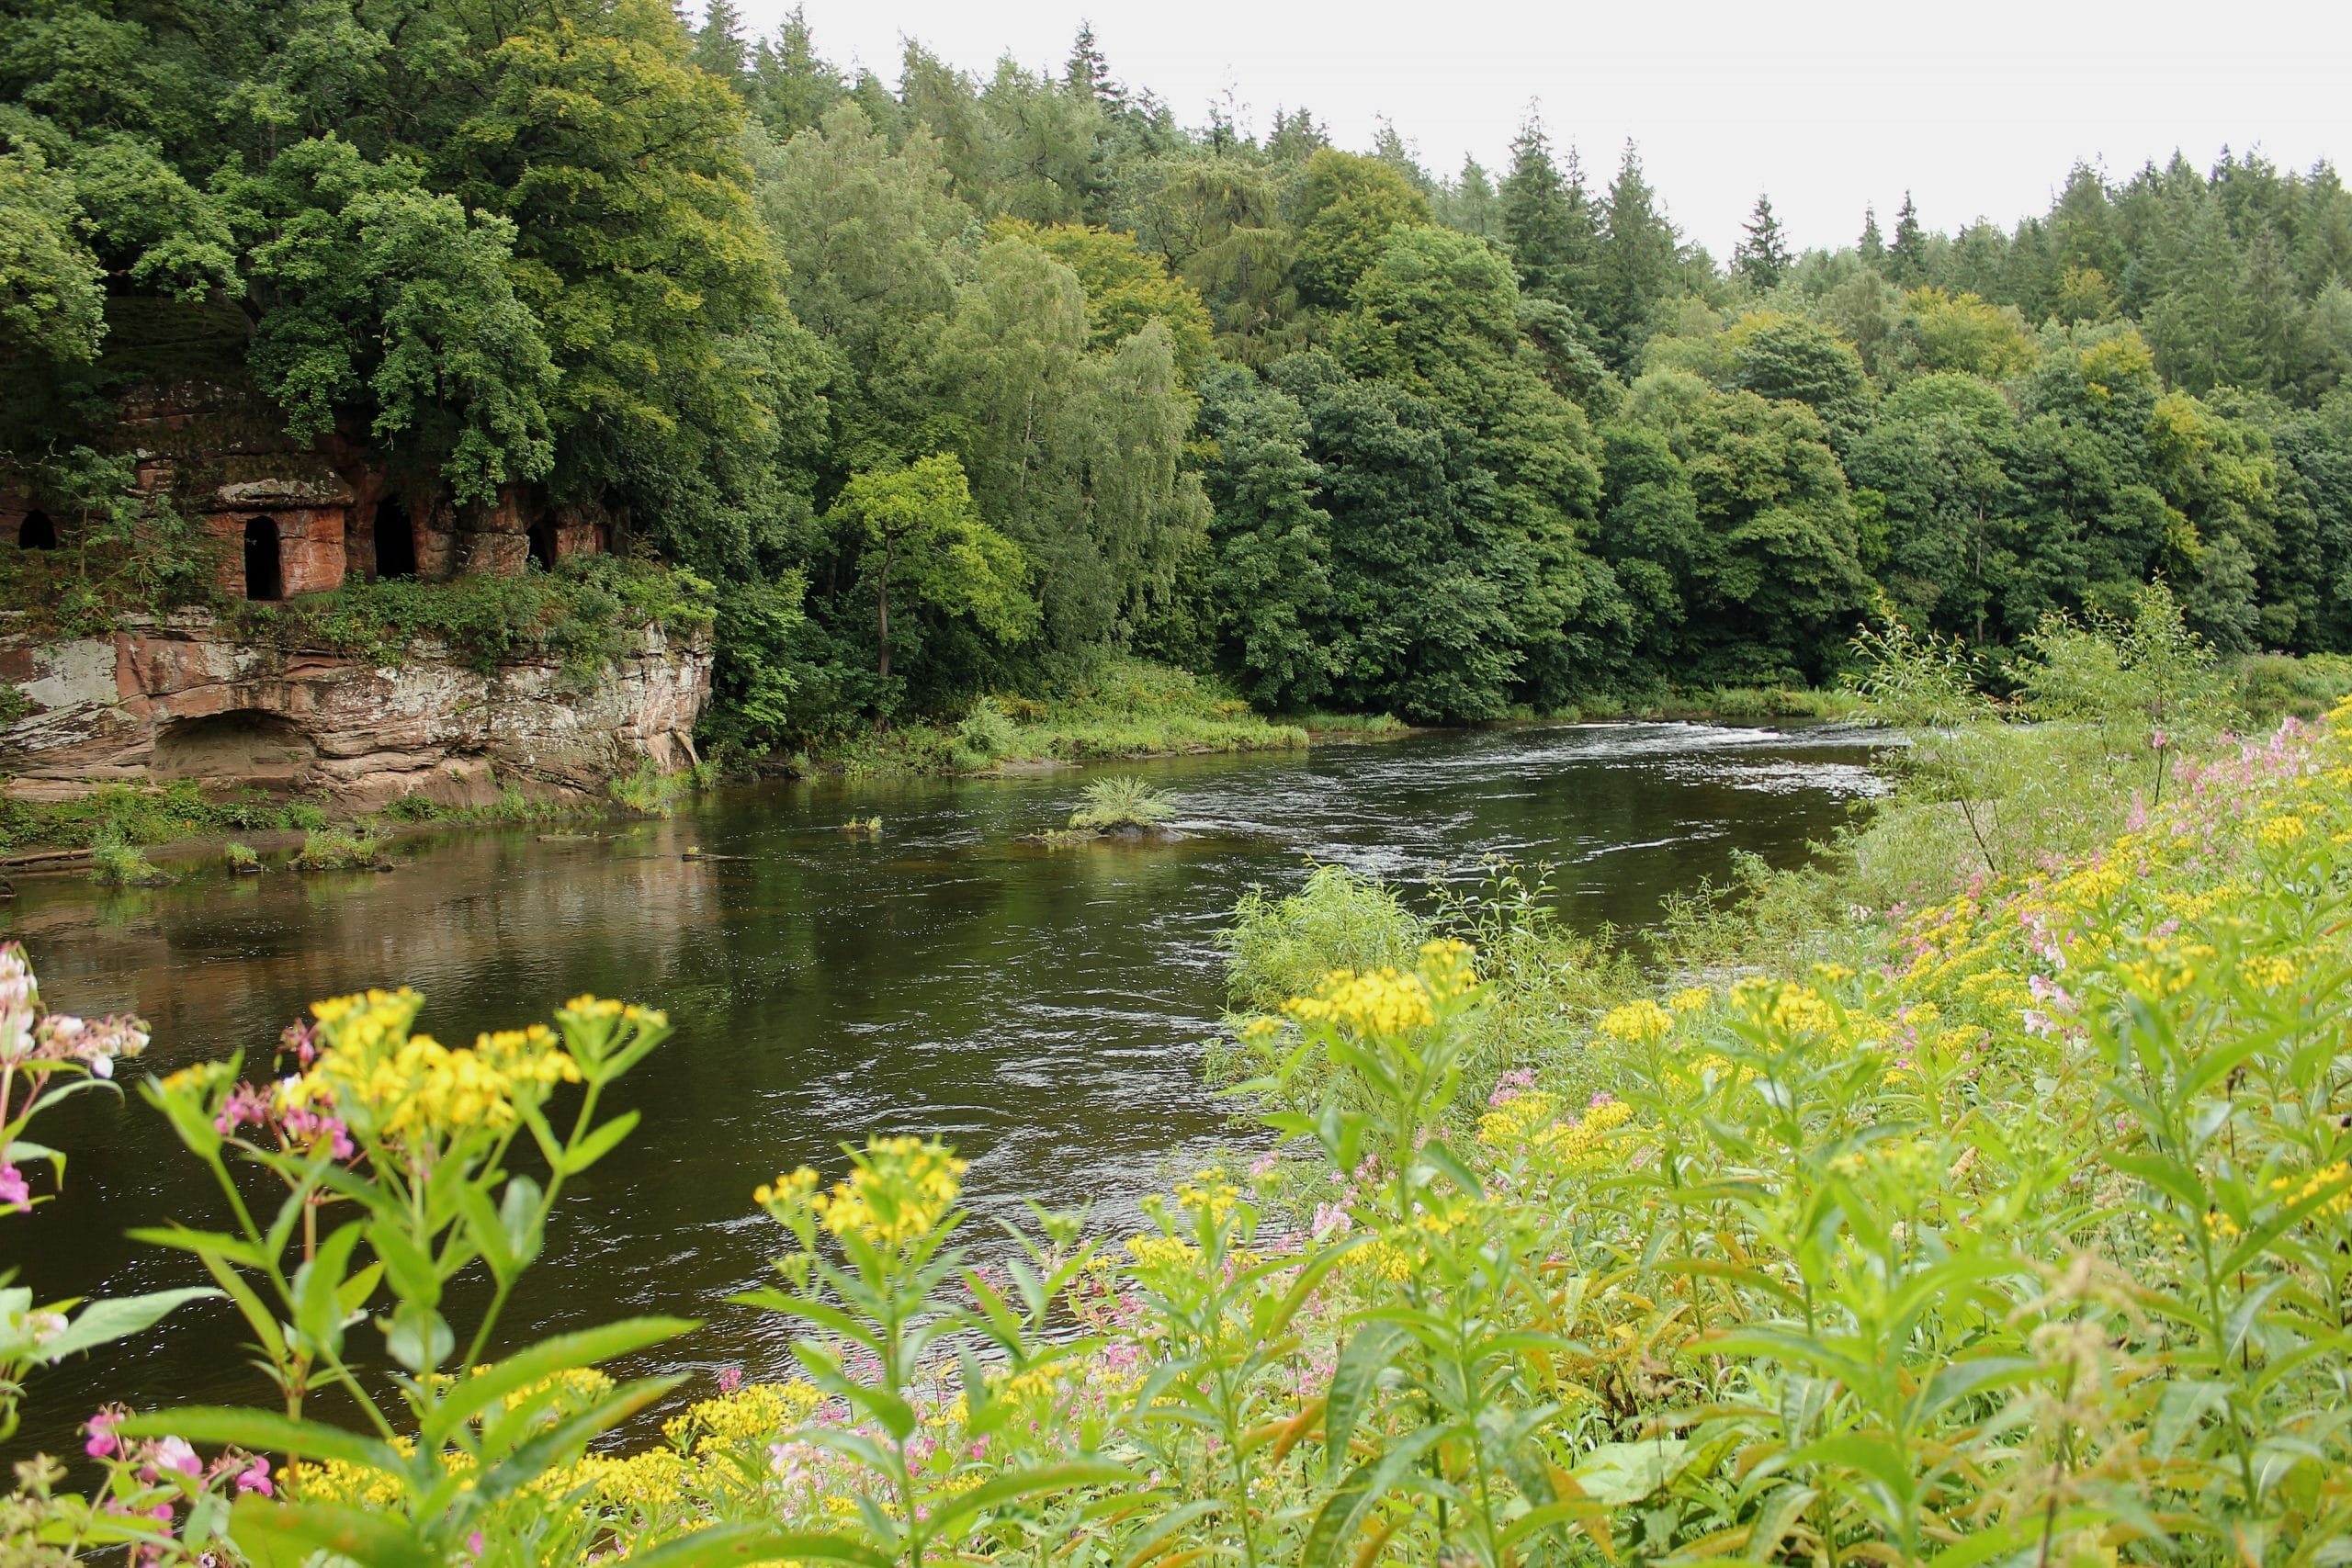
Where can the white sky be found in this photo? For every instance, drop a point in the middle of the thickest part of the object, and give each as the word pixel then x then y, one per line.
pixel 1978 108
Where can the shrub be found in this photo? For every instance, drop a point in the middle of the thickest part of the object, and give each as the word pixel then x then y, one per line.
pixel 240 857
pixel 332 848
pixel 115 861
pixel 650 792
pixel 1123 802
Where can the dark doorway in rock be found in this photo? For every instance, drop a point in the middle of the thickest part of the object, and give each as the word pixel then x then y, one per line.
pixel 543 545
pixel 264 578
pixel 37 532
pixel 395 540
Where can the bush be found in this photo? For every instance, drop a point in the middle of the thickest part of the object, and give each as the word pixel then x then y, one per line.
pixel 240 857
pixel 1124 802
pixel 332 848
pixel 115 861
pixel 650 792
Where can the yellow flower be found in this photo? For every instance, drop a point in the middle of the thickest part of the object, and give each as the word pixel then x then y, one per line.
pixel 1637 1022
pixel 899 1192
pixel 1376 1001
pixel 1691 999
pixel 2274 831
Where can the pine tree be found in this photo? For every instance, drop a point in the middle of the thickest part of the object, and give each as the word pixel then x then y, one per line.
pixel 1469 204
pixel 1547 221
pixel 1907 256
pixel 1872 246
pixel 1088 74
pixel 788 88
pixel 719 43
pixel 1637 271
pixel 1761 257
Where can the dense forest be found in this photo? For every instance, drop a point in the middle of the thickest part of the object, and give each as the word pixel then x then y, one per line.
pixel 944 385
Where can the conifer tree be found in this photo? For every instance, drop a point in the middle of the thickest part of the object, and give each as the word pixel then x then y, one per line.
pixel 1088 74
pixel 1636 262
pixel 788 86
pixel 1907 256
pixel 719 43
pixel 1761 257
pixel 1871 244
pixel 1548 223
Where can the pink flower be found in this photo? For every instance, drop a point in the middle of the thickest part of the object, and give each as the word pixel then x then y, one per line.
pixel 729 1379
pixel 173 1454
pixel 14 1196
pixel 254 1477
pixel 103 1444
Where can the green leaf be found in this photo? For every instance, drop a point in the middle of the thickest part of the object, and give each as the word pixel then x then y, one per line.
pixel 599 1142
pixel 1627 1472
pixel 318 1291
pixel 1349 1506
pixel 536 1362
pixel 756 1543
pixel 261 1430
pixel 1368 1353
pixel 287 1535
pixel 101 1323
pixel 950 1512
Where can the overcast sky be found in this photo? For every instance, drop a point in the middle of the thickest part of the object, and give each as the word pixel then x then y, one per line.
pixel 1979 109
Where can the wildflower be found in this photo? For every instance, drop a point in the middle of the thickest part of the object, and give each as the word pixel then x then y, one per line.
pixel 1691 999
pixel 1377 1001
pixel 103 1443
pixel 16 1196
pixel 172 1454
pixel 729 1379
pixel 2277 831
pixel 1637 1023
pixel 899 1192
pixel 254 1477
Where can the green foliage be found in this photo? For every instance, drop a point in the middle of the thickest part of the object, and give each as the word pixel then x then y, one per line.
pixel 115 861
pixel 1276 948
pixel 587 615
pixel 1124 801
pixel 240 857
pixel 335 849
pixel 134 816
pixel 650 792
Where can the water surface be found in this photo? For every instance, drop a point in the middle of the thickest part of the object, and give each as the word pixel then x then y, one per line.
pixel 1043 1010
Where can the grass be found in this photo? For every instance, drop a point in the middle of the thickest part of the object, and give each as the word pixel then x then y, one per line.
pixel 334 848
pixel 148 816
pixel 241 859
pixel 650 792
pixel 1111 804
pixel 1107 708
pixel 115 861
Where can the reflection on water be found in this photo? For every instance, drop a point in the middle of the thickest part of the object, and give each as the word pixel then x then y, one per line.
pixel 1041 1009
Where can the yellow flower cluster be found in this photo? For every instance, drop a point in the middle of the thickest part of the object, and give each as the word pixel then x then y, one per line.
pixel 754 1415
pixel 1208 1193
pixel 1154 1252
pixel 409 1087
pixel 2319 1181
pixel 2285 829
pixel 1531 1120
pixel 1691 999
pixel 899 1192
pixel 1637 1023
pixel 1386 1001
pixel 1375 1001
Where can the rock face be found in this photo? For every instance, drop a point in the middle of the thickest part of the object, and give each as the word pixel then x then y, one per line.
pixel 178 700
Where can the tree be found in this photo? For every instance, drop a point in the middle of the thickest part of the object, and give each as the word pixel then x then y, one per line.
pixel 1786 356
pixel 1349 205
pixel 719 43
pixel 920 537
pixel 51 294
pixel 1906 257
pixel 1872 247
pixel 1636 263
pixel 1761 258
pixel 1547 221
pixel 786 87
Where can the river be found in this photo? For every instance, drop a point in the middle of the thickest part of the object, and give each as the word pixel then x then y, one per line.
pixel 1044 1009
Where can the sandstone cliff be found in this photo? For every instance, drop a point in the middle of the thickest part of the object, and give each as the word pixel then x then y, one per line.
pixel 177 699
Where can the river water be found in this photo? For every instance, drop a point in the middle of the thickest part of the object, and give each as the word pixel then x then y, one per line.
pixel 1044 1009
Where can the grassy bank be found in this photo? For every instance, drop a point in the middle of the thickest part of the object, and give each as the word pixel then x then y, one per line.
pixel 1109 709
